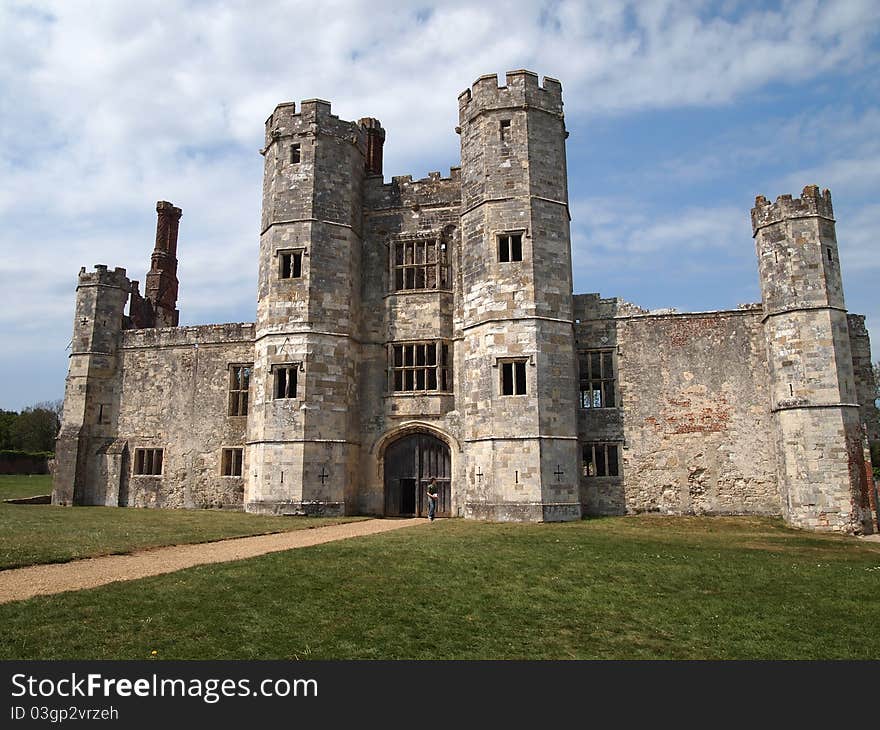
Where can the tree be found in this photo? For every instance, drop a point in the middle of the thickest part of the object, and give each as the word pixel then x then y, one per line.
pixel 36 427
pixel 7 428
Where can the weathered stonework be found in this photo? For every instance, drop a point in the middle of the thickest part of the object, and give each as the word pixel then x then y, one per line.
pixel 421 328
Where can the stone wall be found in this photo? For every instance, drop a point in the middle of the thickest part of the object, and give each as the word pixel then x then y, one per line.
pixel 404 210
pixel 692 419
pixel 175 387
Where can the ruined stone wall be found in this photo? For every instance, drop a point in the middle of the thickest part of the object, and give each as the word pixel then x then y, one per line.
pixel 175 387
pixel 83 473
pixel 860 344
pixel 692 420
pixel 404 210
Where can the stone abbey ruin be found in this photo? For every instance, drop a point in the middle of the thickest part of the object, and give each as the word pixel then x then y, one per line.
pixel 427 328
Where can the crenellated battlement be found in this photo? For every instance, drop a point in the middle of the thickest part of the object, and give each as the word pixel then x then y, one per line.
pixel 102 276
pixel 314 117
pixel 521 89
pixel 404 192
pixel 812 203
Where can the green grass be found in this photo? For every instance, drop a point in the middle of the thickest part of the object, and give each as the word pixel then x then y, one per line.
pixel 31 534
pixel 13 486
pixel 622 588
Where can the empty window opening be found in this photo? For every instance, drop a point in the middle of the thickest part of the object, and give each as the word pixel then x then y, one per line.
pixel 239 384
pixel 420 265
pixel 231 462
pixel 421 366
pixel 291 264
pixel 510 247
pixel 830 256
pixel 148 462
pixel 600 460
pixel 504 129
pixel 285 381
pixel 513 377
pixel 295 153
pixel 597 382
pixel 790 389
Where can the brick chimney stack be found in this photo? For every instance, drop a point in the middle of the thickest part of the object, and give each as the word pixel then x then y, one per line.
pixel 161 284
pixel 375 143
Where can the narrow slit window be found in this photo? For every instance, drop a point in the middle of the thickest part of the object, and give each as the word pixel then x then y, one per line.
pixel 830 255
pixel 103 414
pixel 295 154
pixel 232 462
pixel 513 377
pixel 510 247
pixel 285 381
pixel 504 129
pixel 291 264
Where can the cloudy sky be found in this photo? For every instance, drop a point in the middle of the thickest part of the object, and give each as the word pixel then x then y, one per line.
pixel 679 113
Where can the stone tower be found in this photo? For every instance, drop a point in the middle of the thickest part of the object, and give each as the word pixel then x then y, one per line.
pixel 302 422
pixel 821 466
pixel 516 360
pixel 88 468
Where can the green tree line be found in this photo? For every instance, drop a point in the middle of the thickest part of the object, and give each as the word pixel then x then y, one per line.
pixel 32 430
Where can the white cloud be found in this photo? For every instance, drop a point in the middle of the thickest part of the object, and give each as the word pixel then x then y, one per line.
pixel 110 106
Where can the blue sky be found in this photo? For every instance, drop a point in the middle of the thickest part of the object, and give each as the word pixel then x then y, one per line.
pixel 679 114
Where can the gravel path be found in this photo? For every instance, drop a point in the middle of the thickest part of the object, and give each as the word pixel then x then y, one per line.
pixel 41 580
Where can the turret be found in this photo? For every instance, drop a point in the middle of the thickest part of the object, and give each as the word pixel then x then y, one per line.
pixel 813 395
pixel 91 400
pixel 302 433
pixel 516 360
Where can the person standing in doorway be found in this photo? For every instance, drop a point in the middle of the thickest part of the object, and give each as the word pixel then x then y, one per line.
pixel 432 498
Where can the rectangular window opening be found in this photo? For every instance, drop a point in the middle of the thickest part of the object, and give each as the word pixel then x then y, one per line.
pixel 239 384
pixel 285 381
pixel 600 460
pixel 510 247
pixel 295 154
pixel 232 462
pixel 291 264
pixel 597 379
pixel 416 367
pixel 416 265
pixel 148 462
pixel 504 128
pixel 513 377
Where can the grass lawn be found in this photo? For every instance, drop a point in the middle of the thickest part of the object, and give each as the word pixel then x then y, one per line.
pixel 626 588
pixel 31 534
pixel 13 486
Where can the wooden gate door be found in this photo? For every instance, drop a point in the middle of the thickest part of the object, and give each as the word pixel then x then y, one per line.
pixel 410 463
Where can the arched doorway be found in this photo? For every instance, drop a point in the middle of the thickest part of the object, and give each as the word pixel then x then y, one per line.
pixel 410 462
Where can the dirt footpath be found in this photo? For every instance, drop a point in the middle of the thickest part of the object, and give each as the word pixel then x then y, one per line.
pixel 40 580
